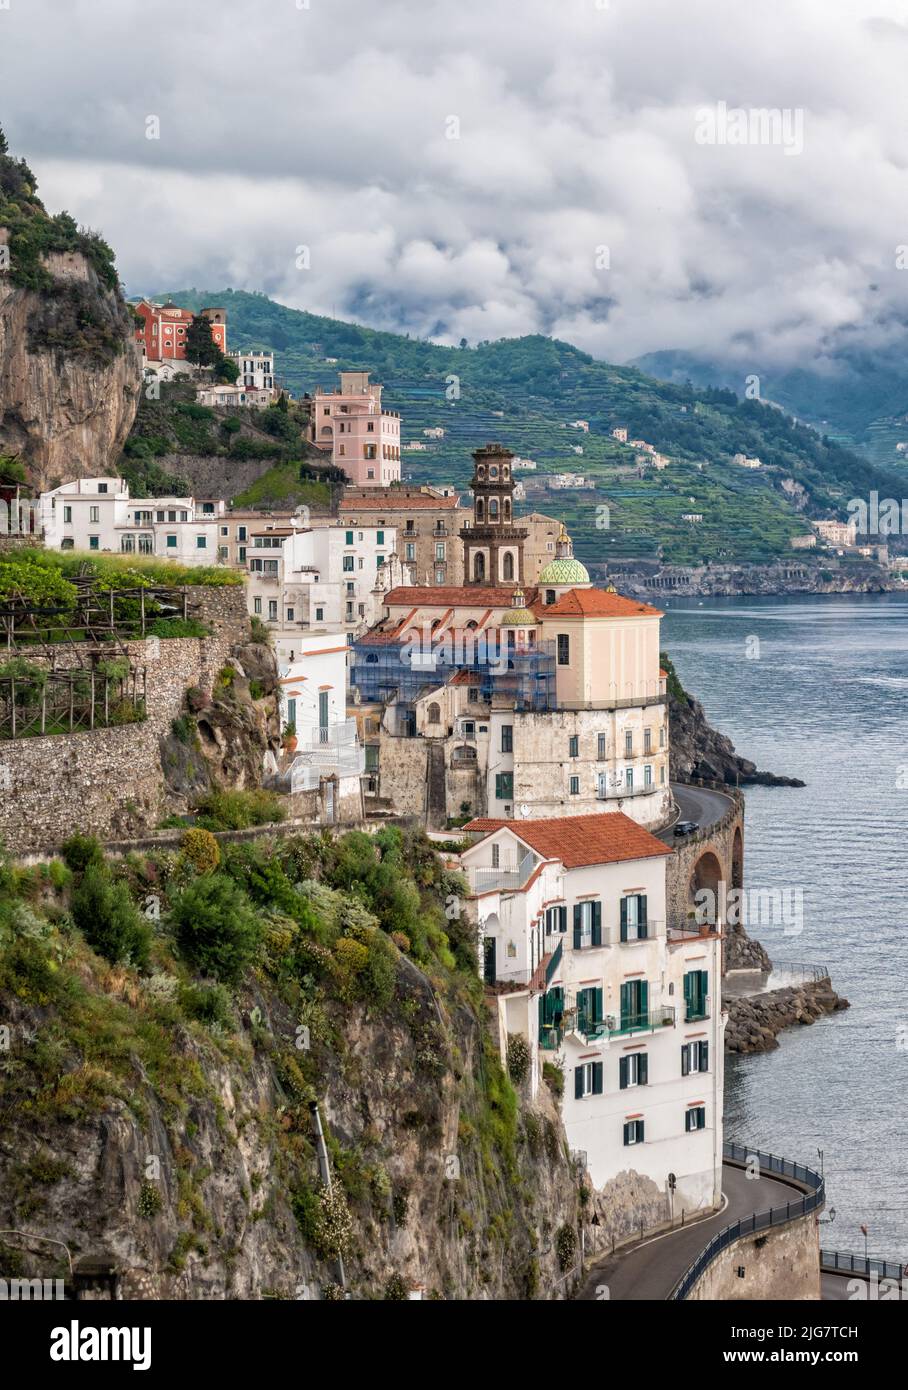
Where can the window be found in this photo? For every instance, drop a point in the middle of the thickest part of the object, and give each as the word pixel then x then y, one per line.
pixel 694 1057
pixel 146 545
pixel 94 514
pixel 379 538
pixel 496 856
pixel 633 1070
pixel 550 596
pixel 507 738
pixel 634 1004
pixel 171 542
pixel 647 776
pixel 67 515
pixel 410 551
pixel 574 746
pixel 589 1011
pixel 633 917
pixel 440 550
pixel 574 786
pixel 600 747
pixel 629 781
pixel 587 924
pixel 662 777
pixel 319 615
pixel 696 987
pixel 628 743
pixel 94 543
pixel 508 566
pixel 102 487
pixel 257 605
pixel 348 538
pixel 662 736
pixel 695 1118
pixel 290 612
pixel 348 564
pixel 647 740
pixel 68 544
pixel 201 543
pixel 556 919
pixel 128 544
pixel 242 554
pixel 225 530
pixel 504 786
pixel 272 610
pixel 473 694
pixel 587 1080
pixel 564 649
pixel 440 575
pixel 633 1132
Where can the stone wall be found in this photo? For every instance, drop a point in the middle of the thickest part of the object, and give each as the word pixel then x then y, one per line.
pixel 714 845
pixel 109 782
pixel 782 1263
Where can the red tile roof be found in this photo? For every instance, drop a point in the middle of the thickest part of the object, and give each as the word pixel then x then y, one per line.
pixel 605 838
pixel 430 596
pixel 597 603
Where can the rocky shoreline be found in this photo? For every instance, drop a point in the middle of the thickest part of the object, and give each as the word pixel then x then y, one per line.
pixel 755 1021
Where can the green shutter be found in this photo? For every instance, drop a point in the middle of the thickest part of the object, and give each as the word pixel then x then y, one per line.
pixel 644 998
pixel 597 923
pixel 577 920
pixel 704 1056
pixel 643 1069
pixel 641 915
pixel 624 919
pixel 627 1133
pixel 578 1083
pixel 685 1060
pixel 622 1073
pixel 626 1004
pixel 597 1078
pixel 597 1005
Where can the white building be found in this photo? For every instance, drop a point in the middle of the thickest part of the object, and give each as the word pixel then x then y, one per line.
pixel 332 576
pixel 744 462
pixel 236 397
pixel 620 434
pixel 256 368
pixel 573 930
pixel 313 694
pixel 435 433
pixel 561 480
pixel 98 514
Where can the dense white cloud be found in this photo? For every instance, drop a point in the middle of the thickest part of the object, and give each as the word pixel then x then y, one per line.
pixel 574 125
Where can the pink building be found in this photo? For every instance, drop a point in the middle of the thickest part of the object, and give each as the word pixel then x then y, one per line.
pixel 364 440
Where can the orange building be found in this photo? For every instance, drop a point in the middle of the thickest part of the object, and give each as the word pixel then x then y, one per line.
pixel 165 328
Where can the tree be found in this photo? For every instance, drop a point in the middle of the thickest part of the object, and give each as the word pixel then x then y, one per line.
pixel 200 345
pixel 104 913
pixel 225 369
pixel 4 147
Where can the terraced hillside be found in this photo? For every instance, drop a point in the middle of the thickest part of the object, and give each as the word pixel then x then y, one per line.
pixel 528 391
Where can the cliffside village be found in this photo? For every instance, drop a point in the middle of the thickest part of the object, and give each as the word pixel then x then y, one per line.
pixel 444 659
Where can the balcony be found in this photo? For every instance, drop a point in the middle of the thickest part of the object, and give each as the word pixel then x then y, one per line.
pixel 502 878
pixel 606 791
pixel 651 929
pixel 697 1010
pixel 614 1027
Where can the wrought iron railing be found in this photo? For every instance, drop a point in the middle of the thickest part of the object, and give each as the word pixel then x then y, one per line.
pixel 770 1165
pixel 843 1263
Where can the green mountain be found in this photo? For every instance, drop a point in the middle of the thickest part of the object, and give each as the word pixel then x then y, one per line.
pixel 528 391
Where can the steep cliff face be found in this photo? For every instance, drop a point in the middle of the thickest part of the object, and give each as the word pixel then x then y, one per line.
pixel 65 412
pixel 69 370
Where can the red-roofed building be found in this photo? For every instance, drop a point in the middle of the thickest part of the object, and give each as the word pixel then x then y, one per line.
pixel 573 936
pixel 162 336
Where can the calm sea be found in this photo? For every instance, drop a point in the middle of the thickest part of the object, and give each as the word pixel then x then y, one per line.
pixel 818 688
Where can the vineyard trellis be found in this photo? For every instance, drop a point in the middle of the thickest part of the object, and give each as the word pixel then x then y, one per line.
pixel 38 701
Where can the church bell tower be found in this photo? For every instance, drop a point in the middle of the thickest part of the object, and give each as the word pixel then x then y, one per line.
pixel 493 545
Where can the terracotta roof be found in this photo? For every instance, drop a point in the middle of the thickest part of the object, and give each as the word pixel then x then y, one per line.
pixel 605 838
pixel 598 603
pixel 430 596
pixel 465 678
pixel 396 503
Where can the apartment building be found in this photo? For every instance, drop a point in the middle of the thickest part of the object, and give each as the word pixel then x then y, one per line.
pixel 426 522
pixel 98 514
pixel 575 939
pixel 362 438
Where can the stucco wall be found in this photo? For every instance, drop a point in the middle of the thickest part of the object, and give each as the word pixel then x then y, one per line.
pixel 109 781
pixel 781 1263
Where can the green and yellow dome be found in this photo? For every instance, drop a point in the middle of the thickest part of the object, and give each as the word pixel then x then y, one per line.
pixel 518 615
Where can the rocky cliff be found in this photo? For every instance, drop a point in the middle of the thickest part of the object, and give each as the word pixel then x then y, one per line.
pixel 69 371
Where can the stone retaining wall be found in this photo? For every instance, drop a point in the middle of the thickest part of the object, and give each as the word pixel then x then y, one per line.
pixel 109 782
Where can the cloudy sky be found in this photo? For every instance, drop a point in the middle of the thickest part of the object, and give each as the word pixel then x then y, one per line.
pixel 485 168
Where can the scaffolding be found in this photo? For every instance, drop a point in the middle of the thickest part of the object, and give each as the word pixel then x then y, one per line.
pixel 521 677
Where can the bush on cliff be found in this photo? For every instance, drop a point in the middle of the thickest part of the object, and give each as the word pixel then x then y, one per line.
pixel 104 913
pixel 216 927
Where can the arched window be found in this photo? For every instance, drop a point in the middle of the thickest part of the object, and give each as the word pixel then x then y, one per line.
pixel 507 567
pixel 326 431
pixel 479 566
pixel 433 714
pixel 463 753
pixel 506 509
pixel 493 508
pixel 472 624
pixel 480 509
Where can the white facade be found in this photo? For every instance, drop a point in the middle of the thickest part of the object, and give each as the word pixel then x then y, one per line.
pixel 604 987
pixel 256 368
pixel 313 695
pixel 324 577
pixel 98 514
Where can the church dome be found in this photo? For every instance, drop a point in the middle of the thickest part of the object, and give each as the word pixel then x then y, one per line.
pixel 517 615
pixel 567 571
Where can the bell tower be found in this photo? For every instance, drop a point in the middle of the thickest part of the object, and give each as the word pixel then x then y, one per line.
pixel 493 545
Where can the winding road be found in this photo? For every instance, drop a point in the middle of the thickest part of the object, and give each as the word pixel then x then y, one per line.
pixel 700 804
pixel 651 1270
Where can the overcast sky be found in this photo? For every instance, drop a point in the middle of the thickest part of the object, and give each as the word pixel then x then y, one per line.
pixel 329 128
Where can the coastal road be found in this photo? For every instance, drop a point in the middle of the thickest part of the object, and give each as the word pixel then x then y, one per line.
pixel 651 1270
pixel 700 804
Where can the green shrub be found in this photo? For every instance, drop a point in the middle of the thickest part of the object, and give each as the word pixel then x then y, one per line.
pixel 207 1004
pixel 216 927
pixel 237 810
pixel 566 1247
pixel 554 1078
pixel 518 1054
pixel 104 913
pixel 79 851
